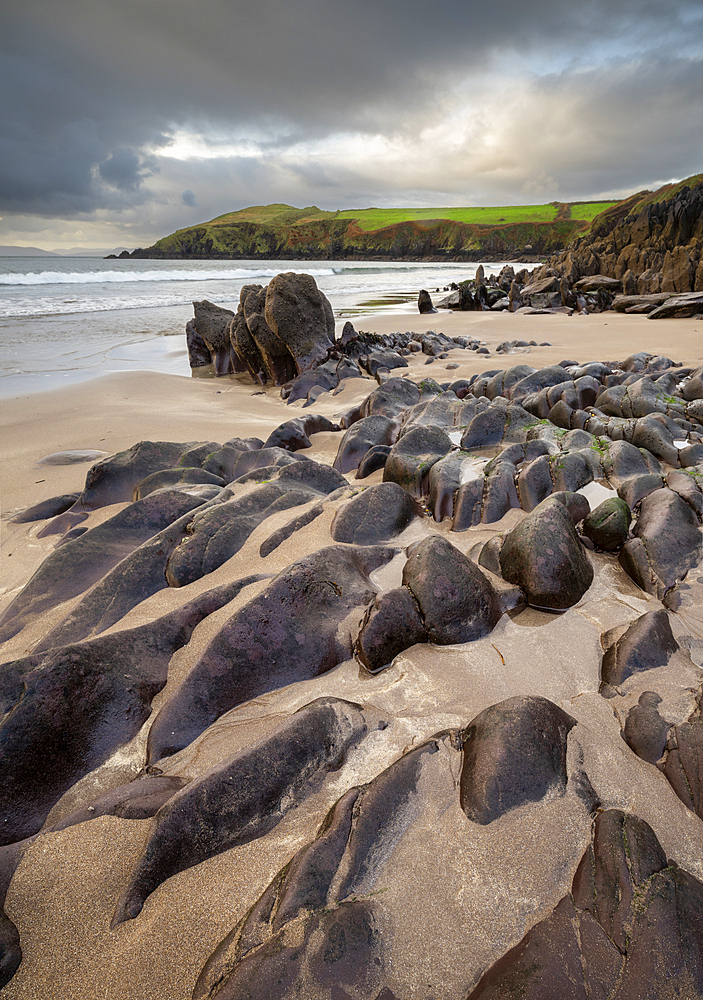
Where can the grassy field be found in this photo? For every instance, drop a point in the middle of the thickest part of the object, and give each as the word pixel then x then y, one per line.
pixel 372 219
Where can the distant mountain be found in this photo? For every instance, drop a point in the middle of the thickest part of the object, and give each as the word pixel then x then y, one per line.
pixel 6 251
pixel 90 252
pixel 282 232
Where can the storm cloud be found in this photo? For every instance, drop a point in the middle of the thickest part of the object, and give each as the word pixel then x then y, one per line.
pixel 138 117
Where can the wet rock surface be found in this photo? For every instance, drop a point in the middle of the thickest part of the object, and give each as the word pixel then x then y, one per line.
pixel 336 754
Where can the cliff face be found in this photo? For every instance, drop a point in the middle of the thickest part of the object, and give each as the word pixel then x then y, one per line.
pixel 342 239
pixel 652 242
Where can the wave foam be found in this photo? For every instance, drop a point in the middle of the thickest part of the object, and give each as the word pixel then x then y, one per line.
pixel 105 277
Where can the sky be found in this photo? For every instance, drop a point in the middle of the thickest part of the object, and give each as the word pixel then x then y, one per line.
pixel 124 120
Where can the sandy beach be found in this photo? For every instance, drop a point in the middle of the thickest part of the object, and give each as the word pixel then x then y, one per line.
pixel 455 895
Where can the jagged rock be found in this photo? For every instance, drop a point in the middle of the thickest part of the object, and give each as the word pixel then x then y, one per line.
pixel 211 325
pixel 279 362
pixel 681 306
pixel 594 282
pixel 301 317
pixel 375 515
pixel 514 753
pixel 646 644
pixel 457 602
pixel 424 302
pixel 607 526
pixel 544 557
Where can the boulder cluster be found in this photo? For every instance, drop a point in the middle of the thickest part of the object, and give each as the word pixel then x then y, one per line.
pixel 278 331
pixel 410 828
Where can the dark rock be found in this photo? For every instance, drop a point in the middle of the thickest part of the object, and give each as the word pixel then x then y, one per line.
pixel 136 577
pixel 645 730
pixel 375 515
pixel 363 435
pixel 218 531
pixel 139 799
pixel 622 461
pixel 667 543
pixel 392 623
pixel 631 928
pixel 299 388
pixel 688 488
pixel 172 478
pixel 457 602
pixel 301 317
pixel 243 797
pixel 289 632
pixel 294 434
pixel 445 479
pixel 391 398
pixel 499 495
pixel 424 302
pixel 468 504
pixel 535 483
pixel 45 509
pixel 66 710
pixel 112 480
pixel 374 459
pixel 412 456
pixel 683 767
pixel 544 557
pixel 638 487
pixel 541 379
pixel 74 567
pixel 647 643
pixel 279 363
pixel 514 753
pixel 211 324
pixel 198 352
pixel 338 944
pixel 607 526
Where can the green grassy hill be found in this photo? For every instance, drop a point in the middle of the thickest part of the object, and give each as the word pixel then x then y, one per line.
pixel 284 232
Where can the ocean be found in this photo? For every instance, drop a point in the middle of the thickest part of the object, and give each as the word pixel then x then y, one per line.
pixel 64 320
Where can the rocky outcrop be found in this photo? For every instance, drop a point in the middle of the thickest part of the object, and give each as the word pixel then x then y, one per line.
pixel 653 244
pixel 277 333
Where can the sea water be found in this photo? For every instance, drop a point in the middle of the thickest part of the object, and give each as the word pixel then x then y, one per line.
pixel 64 320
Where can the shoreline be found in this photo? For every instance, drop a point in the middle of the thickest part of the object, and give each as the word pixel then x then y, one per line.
pixel 568 335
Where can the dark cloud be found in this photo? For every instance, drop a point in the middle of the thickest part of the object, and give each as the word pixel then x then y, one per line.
pixel 91 91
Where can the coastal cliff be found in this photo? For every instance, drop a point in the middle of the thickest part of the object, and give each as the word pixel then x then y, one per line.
pixel 652 242
pixel 281 232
